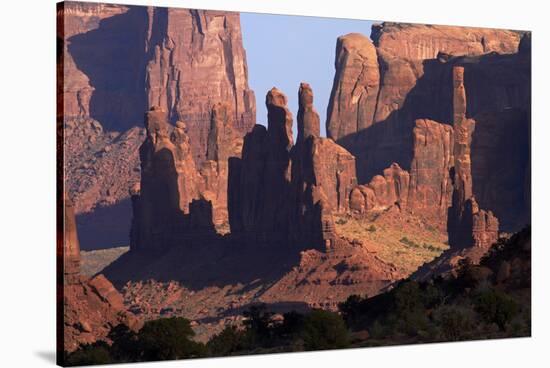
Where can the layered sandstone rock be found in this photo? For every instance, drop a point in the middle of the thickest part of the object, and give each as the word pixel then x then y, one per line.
pixel 323 175
pixel 71 246
pixel 356 83
pixel 224 144
pixel 467 224
pixel 169 183
pixel 414 68
pixel 182 60
pixel 197 60
pixel 185 61
pixel 426 190
pixel 430 188
pixel 90 307
pixel 284 193
pixel 439 185
pixel 260 193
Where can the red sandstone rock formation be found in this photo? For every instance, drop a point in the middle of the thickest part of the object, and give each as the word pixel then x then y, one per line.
pixel 356 84
pixel 468 225
pixel 408 70
pixel 282 193
pixel 323 175
pixel 426 190
pixel 185 61
pixel 224 144
pixel 260 189
pixel 182 60
pixel 439 186
pixel 430 188
pixel 90 307
pixel 198 60
pixel 71 246
pixel 169 183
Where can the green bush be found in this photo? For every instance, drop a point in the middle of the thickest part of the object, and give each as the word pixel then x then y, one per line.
pixel 96 353
pixel 455 322
pixel 341 221
pixel 168 338
pixel 371 229
pixel 228 341
pixel 496 307
pixel 324 330
pixel 409 243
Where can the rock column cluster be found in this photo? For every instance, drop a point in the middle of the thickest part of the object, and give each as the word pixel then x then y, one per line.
pixel 439 185
pixel 383 87
pixel 468 225
pixel 274 193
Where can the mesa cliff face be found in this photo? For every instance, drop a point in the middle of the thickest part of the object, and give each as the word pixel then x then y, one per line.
pixel 183 61
pixel 382 88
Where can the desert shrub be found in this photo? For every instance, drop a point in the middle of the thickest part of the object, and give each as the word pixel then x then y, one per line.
pixel 341 221
pixel 168 338
pixel 351 309
pixel 407 297
pixel 96 353
pixel 257 323
pixel 228 341
pixel 292 325
pixel 371 229
pixel 125 347
pixel 324 330
pixel 455 322
pixel 432 248
pixel 409 243
pixel 496 307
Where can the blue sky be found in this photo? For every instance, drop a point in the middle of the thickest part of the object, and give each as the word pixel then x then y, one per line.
pixel 283 51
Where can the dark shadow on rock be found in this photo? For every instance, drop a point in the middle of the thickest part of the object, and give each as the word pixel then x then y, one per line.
pixel 218 261
pixel 116 69
pixel 175 245
pixel 496 85
pixel 105 227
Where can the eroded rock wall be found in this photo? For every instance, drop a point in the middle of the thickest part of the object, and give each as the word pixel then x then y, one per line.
pixel 407 69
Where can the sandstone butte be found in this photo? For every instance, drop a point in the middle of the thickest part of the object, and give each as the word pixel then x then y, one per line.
pixel 184 61
pixel 382 87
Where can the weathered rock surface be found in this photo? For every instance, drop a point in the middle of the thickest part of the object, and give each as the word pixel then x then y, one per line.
pixel 260 195
pixel 71 247
pixel 170 182
pixel 323 175
pixel 182 60
pixel 467 225
pixel 356 84
pixel 90 307
pixel 99 167
pixel 186 61
pixel 197 60
pixel 426 190
pixel 283 193
pixel 430 188
pixel 414 68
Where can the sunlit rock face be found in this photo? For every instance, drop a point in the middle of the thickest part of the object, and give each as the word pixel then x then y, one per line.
pixel 384 86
